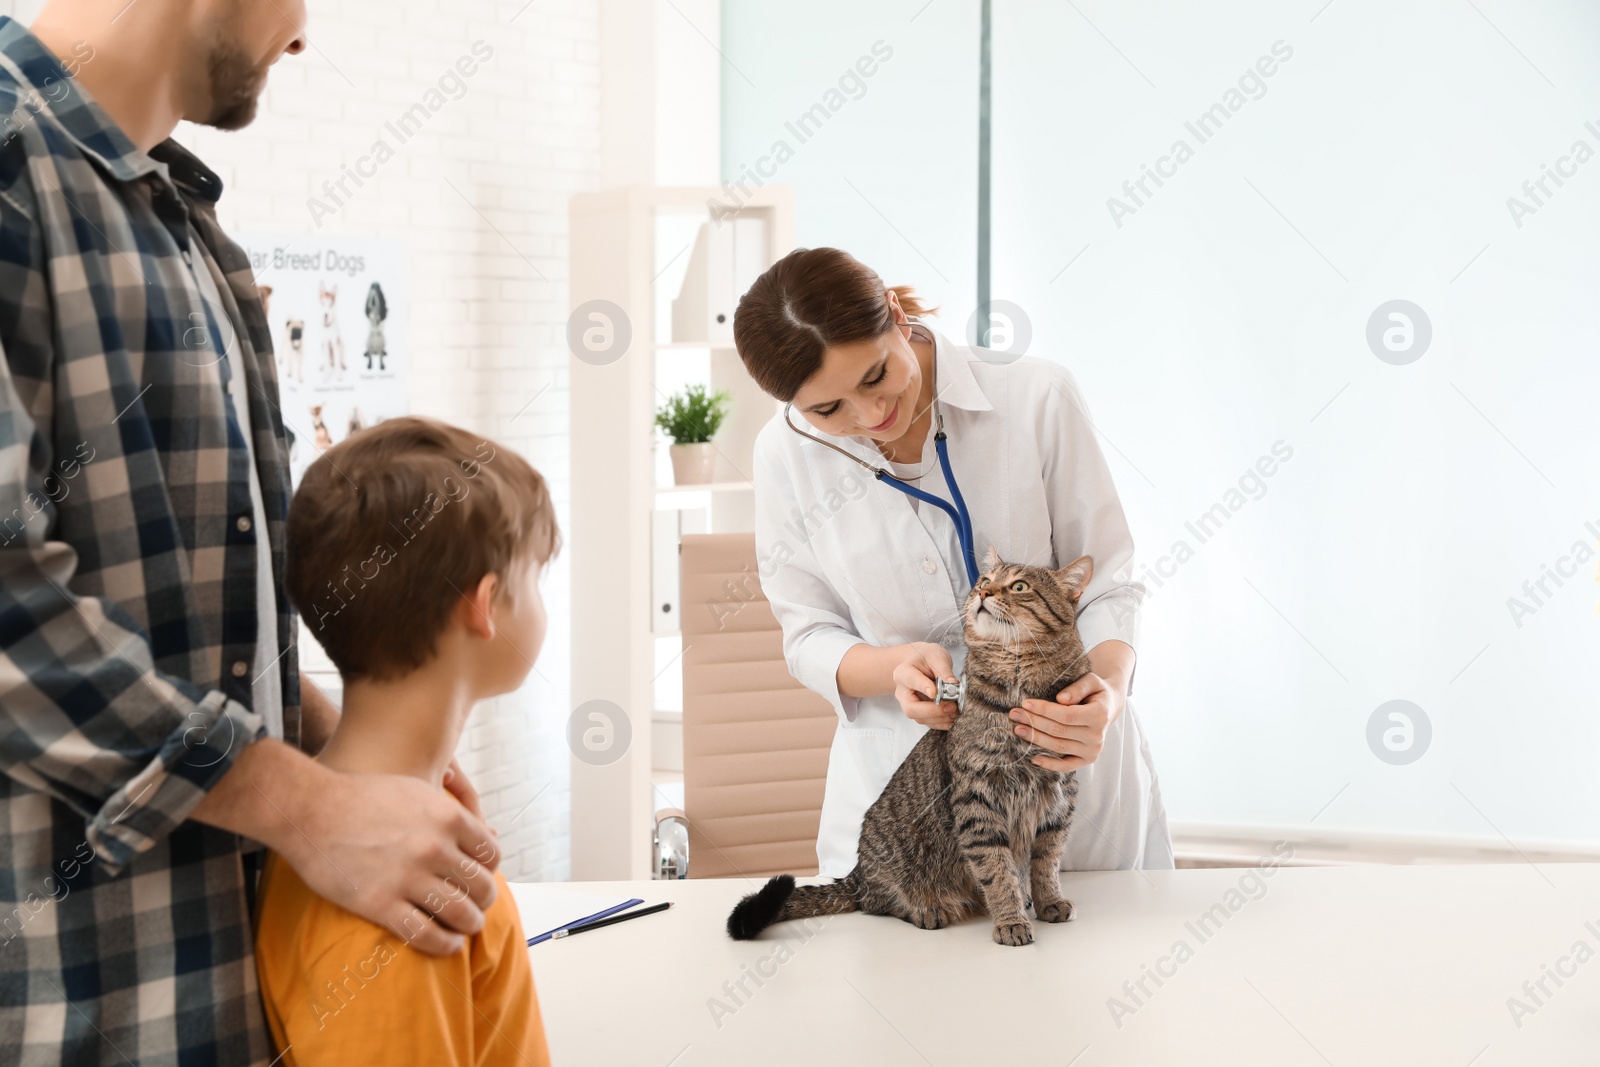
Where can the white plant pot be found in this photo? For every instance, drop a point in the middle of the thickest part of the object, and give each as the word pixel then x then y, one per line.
pixel 693 464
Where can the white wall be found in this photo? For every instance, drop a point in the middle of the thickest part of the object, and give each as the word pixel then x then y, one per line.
pixel 1229 312
pixel 488 268
pixel 891 173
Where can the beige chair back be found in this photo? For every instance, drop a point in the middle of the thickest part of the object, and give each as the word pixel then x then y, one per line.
pixel 755 741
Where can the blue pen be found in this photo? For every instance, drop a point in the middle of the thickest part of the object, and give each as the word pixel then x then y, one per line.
pixel 625 905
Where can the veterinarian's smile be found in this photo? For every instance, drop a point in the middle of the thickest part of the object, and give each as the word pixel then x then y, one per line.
pixel 883 426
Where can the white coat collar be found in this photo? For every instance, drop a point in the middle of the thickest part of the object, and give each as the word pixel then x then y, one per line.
pixel 958 386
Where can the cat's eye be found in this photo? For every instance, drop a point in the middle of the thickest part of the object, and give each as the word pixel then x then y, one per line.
pixel 983 583
pixel 1019 587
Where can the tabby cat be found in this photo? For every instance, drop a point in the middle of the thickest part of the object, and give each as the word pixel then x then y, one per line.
pixel 968 813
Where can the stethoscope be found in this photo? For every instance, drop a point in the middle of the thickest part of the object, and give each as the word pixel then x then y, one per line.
pixel 956 508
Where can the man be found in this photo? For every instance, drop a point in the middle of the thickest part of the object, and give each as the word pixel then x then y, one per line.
pixel 151 728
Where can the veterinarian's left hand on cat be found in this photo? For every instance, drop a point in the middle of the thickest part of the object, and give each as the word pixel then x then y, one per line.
pixel 1073 726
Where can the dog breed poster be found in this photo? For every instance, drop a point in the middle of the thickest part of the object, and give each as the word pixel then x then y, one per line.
pixel 336 307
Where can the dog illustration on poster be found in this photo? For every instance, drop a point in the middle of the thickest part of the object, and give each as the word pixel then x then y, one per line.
pixel 332 339
pixel 319 429
pixel 377 311
pixel 294 352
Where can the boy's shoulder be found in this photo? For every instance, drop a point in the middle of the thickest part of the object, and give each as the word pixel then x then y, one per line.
pixel 302 934
pixel 334 985
pixel 296 928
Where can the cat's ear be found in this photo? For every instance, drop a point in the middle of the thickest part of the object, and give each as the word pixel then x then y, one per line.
pixel 1075 576
pixel 991 560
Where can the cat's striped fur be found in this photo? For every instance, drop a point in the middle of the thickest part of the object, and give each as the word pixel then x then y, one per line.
pixel 968 824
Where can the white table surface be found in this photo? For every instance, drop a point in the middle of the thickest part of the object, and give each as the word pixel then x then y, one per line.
pixel 1354 966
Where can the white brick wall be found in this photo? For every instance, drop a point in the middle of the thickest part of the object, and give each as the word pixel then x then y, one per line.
pixel 488 270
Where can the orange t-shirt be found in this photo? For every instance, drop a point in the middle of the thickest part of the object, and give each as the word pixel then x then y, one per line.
pixel 340 990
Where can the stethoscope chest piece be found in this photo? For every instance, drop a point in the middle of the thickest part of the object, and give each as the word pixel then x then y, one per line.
pixel 952 691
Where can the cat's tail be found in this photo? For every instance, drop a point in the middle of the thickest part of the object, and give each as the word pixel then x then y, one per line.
pixel 780 900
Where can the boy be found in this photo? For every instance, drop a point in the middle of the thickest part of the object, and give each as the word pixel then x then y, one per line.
pixel 414 554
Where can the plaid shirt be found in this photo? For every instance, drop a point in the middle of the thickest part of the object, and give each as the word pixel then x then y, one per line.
pixel 128 614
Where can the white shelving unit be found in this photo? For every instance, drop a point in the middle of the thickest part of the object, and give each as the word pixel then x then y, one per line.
pixel 628 248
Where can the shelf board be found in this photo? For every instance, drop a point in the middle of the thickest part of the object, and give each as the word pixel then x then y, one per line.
pixel 707 487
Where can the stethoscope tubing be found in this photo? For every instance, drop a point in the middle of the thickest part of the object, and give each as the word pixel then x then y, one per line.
pixel 964 527
pixel 957 510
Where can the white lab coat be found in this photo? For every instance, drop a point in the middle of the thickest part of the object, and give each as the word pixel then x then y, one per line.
pixel 843 560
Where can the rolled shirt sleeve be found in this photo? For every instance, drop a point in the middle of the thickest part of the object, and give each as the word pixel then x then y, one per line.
pixel 1088 519
pixel 816 622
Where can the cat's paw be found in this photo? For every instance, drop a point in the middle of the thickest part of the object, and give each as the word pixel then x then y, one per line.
pixel 1057 911
pixel 1013 933
pixel 928 919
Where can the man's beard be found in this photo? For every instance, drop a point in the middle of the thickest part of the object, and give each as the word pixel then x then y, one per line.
pixel 235 86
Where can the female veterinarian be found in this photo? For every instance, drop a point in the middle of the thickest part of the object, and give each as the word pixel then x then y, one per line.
pixel 868 582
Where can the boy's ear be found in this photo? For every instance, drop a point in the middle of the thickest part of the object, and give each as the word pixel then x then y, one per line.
pixel 475 611
pixel 1075 576
pixel 991 560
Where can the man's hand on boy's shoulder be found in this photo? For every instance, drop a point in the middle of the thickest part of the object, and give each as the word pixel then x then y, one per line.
pixel 460 787
pixel 398 851
pixel 401 854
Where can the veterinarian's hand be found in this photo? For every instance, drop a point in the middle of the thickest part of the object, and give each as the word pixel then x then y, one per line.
pixel 1072 728
pixel 916 684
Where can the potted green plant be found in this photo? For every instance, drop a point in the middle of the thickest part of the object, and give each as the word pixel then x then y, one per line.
pixel 691 418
